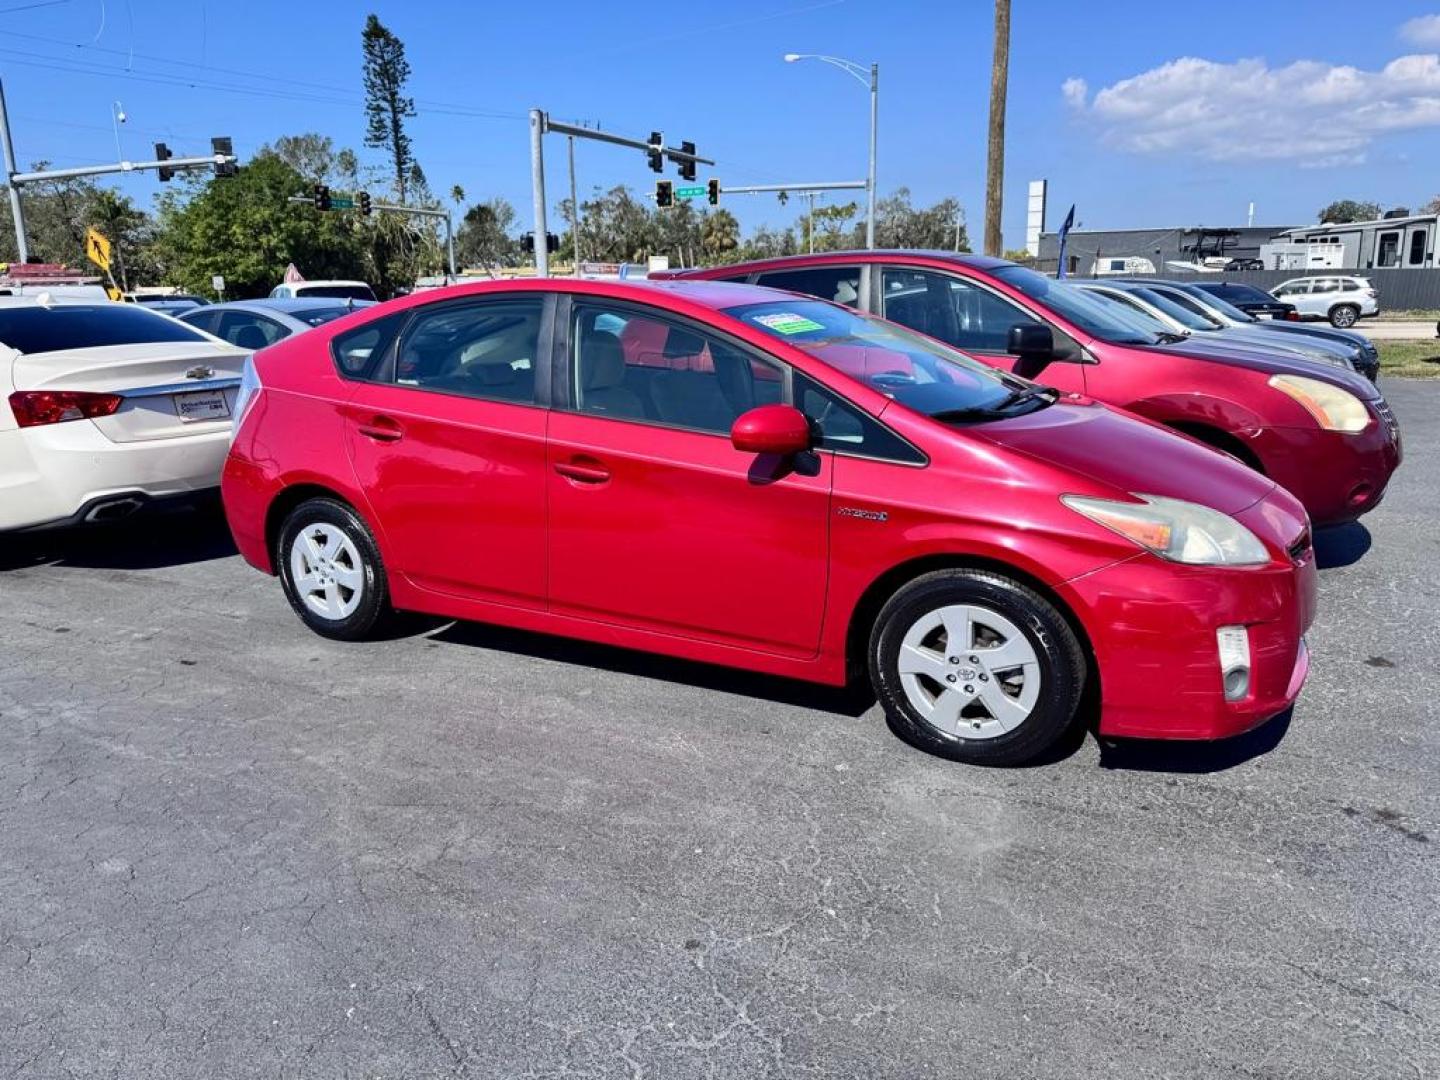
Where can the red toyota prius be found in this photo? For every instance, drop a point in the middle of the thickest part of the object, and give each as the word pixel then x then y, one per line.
pixel 747 477
pixel 1324 433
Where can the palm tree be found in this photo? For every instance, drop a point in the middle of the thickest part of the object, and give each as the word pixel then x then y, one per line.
pixel 719 233
pixel 458 194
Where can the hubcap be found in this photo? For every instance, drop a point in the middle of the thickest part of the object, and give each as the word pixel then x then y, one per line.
pixel 327 572
pixel 969 671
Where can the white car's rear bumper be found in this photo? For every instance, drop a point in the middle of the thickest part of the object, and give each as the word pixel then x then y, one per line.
pixel 49 474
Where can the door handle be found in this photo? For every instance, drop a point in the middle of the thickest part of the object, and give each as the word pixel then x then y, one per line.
pixel 382 429
pixel 583 473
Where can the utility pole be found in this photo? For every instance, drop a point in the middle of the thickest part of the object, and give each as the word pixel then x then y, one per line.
pixel 16 210
pixel 995 163
pixel 574 209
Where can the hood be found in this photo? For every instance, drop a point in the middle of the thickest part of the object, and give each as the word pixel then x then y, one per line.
pixel 1258 358
pixel 1318 333
pixel 1129 454
pixel 1316 347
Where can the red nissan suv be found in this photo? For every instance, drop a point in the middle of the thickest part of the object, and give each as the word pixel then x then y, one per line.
pixel 1325 434
pixel 748 477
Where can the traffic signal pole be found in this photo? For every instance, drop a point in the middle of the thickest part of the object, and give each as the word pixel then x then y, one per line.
pixel 416 211
pixel 540 126
pixel 16 210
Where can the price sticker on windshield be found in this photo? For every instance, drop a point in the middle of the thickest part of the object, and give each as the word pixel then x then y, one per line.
pixel 785 322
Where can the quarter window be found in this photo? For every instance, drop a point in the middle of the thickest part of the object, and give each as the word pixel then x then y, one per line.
pixel 360 353
pixel 248 330
pixel 633 366
pixel 485 350
pixel 840 426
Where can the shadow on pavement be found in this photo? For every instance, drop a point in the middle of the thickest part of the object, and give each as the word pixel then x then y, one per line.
pixel 848 701
pixel 1177 756
pixel 1341 545
pixel 164 538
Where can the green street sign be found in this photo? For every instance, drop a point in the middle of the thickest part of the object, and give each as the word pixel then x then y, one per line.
pixel 696 192
pixel 341 202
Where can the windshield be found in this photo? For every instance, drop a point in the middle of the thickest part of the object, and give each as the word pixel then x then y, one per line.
pixel 339 292
pixel 919 372
pixel 37 329
pixel 1102 318
pixel 1191 319
pixel 1129 311
pixel 1204 299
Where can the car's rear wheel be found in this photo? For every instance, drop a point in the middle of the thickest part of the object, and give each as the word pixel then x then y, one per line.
pixel 331 571
pixel 1343 316
pixel 975 666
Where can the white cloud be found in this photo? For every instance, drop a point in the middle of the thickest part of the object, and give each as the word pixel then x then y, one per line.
pixel 1311 113
pixel 1422 30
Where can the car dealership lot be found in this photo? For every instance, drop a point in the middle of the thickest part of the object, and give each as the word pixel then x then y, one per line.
pixel 229 847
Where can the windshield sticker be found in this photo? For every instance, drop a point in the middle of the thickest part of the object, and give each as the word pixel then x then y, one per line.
pixel 785 322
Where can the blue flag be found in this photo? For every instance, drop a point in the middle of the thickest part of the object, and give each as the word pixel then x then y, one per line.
pixel 1065 235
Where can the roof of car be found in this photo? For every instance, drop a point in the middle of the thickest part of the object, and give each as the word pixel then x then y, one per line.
pixel 286 304
pixel 979 262
pixel 54 300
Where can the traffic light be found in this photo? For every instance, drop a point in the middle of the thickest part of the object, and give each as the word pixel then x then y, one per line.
pixel 527 243
pixel 162 153
pixel 365 203
pixel 712 190
pixel 656 152
pixel 322 197
pixel 687 165
pixel 222 145
pixel 552 243
pixel 664 193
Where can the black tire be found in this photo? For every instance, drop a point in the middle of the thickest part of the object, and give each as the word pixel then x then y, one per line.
pixel 373 609
pixel 1344 316
pixel 1061 661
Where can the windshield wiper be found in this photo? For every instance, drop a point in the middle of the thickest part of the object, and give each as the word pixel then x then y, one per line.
pixel 1048 394
pixel 1168 337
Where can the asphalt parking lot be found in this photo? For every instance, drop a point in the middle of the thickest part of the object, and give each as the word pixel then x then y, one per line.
pixel 231 848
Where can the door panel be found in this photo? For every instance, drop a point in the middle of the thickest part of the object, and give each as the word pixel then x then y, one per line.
pixel 678 531
pixel 451 455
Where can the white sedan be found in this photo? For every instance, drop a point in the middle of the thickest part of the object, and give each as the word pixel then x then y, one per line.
pixel 105 409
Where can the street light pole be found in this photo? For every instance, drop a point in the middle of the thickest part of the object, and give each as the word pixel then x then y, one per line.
pixel 866 77
pixel 21 244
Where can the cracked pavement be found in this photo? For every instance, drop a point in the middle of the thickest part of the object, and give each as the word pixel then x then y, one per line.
pixel 231 848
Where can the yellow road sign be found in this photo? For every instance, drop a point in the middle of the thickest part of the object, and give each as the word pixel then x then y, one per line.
pixel 97 249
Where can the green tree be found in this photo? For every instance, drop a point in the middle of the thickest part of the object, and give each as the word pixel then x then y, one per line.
pixel 1344 211
pixel 719 235
pixel 311 155
pixel 484 236
pixel 243 228
pixel 898 224
pixel 386 107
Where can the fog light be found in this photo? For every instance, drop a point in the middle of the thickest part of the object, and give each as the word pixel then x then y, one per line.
pixel 1233 643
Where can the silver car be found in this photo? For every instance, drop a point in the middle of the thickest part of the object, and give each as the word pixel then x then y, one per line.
pixel 1341 298
pixel 254 324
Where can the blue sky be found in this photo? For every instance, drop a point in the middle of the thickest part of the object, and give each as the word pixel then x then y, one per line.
pixel 1142 114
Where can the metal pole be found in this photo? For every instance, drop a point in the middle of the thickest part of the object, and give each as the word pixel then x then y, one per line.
pixel 16 210
pixel 574 210
pixel 810 224
pixel 537 188
pixel 450 246
pixel 870 180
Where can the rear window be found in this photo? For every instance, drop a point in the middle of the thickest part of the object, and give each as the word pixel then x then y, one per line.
pixel 32 330
pixel 338 292
pixel 318 316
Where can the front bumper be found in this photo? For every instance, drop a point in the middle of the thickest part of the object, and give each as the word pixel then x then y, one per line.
pixel 1337 477
pixel 52 474
pixel 1152 626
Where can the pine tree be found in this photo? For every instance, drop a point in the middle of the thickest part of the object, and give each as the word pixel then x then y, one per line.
pixel 386 106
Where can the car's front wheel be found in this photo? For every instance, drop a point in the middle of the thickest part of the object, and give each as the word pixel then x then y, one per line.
pixel 331 571
pixel 1343 316
pixel 975 666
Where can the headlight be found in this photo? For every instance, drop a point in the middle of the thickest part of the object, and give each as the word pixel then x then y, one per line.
pixel 1180 531
pixel 1333 409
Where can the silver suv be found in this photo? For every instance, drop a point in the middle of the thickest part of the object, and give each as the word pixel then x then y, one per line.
pixel 1340 298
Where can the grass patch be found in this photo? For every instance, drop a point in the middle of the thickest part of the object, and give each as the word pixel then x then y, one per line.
pixel 1415 359
pixel 1412 315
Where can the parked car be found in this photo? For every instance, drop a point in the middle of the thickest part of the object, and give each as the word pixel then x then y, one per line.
pixel 163 300
pixel 109 408
pixel 747 477
pixel 1362 352
pixel 1176 318
pixel 1325 434
pixel 1249 299
pixel 254 324
pixel 333 290
pixel 1342 299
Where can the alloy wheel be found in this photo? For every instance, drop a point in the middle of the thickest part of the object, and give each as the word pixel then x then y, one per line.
pixel 326 569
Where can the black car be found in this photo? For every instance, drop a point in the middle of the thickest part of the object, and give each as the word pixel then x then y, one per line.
pixel 1249 299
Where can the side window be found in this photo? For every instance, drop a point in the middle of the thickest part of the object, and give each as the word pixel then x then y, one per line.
pixel 1389 252
pixel 1417 247
pixel 1325 285
pixel 360 353
pixel 248 330
pixel 951 309
pixel 1297 288
pixel 633 366
pixel 480 350
pixel 201 320
pixel 838 283
pixel 840 426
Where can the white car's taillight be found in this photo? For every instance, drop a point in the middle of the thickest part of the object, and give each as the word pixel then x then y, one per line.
pixel 36 408
pixel 248 392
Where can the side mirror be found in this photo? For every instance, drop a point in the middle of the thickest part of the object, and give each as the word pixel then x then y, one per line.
pixel 771 429
pixel 1034 344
